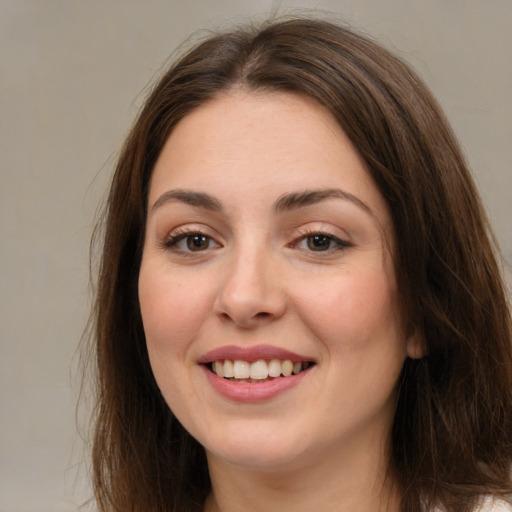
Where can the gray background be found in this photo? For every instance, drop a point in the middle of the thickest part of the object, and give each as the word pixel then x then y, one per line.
pixel 72 77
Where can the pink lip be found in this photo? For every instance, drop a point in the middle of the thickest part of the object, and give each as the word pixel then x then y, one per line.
pixel 250 354
pixel 253 392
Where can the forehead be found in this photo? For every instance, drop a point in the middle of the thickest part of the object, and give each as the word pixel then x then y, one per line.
pixel 244 143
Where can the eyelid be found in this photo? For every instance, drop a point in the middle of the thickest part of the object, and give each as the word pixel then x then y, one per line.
pixel 170 241
pixel 341 243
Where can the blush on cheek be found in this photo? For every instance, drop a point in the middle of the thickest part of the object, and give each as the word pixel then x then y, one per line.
pixel 374 294
pixel 164 326
pixel 171 310
pixel 357 312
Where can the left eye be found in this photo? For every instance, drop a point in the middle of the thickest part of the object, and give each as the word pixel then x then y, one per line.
pixel 320 243
pixel 197 242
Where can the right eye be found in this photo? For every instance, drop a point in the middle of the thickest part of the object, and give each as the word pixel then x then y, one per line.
pixel 190 242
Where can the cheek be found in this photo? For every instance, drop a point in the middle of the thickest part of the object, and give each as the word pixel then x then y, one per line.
pixel 355 310
pixel 172 308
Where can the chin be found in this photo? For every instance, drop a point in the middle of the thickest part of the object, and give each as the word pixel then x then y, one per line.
pixel 256 448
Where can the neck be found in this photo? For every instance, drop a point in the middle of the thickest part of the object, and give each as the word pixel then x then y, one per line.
pixel 331 486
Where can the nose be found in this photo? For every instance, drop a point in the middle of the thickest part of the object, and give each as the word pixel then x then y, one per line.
pixel 251 291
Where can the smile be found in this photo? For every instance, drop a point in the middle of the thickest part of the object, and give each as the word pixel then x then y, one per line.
pixel 254 374
pixel 257 371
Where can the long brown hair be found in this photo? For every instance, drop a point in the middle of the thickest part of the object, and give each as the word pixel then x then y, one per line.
pixel 452 432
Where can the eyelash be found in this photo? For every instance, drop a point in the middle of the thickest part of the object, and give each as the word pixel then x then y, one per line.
pixel 340 245
pixel 172 241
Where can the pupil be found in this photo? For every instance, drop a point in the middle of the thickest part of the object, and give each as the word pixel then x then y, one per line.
pixel 318 242
pixel 197 242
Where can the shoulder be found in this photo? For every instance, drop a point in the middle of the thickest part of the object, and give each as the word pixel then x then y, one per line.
pixel 489 504
pixel 494 505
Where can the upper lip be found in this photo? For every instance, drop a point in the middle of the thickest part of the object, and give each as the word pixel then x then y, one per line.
pixel 251 354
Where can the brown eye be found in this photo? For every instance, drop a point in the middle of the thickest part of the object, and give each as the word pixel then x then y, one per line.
pixel 197 243
pixel 190 242
pixel 319 242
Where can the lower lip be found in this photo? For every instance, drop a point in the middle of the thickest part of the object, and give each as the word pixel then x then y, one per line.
pixel 253 392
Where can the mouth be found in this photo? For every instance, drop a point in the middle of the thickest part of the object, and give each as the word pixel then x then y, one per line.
pixel 254 374
pixel 257 371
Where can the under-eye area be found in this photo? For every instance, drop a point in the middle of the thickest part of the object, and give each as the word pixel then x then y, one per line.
pixel 257 371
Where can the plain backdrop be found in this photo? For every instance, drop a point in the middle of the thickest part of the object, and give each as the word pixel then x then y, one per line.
pixel 72 75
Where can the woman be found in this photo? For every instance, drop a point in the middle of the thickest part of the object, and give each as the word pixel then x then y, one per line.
pixel 299 306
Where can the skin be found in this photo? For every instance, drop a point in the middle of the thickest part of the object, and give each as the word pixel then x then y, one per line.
pixel 321 445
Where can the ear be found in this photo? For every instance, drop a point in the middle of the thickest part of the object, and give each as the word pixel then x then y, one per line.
pixel 415 345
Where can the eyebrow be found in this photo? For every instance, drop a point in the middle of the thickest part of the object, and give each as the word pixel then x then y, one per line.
pixel 284 203
pixel 309 197
pixel 190 197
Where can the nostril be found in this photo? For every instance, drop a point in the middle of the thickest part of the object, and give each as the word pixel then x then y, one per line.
pixel 246 320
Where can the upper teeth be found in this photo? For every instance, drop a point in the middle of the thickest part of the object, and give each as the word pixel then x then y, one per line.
pixel 257 370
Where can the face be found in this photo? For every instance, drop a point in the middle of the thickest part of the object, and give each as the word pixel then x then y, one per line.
pixel 267 288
